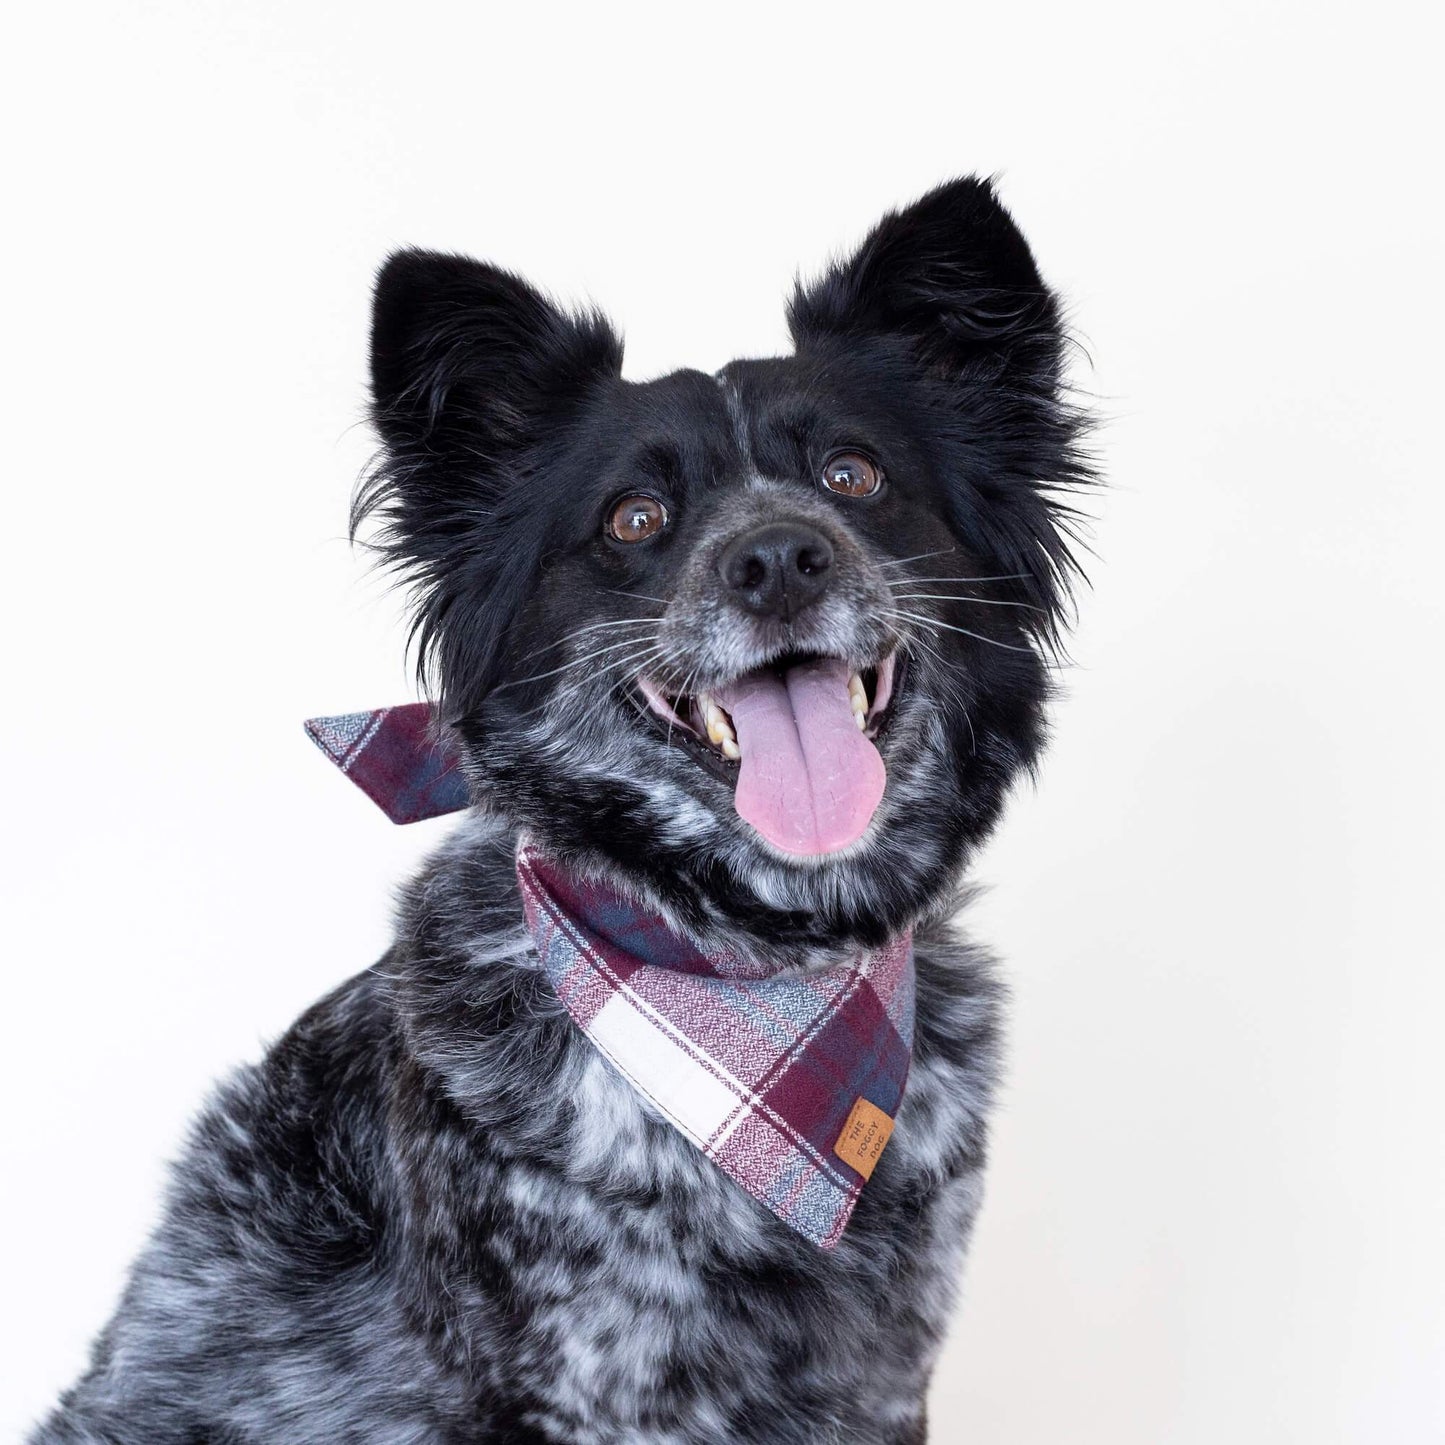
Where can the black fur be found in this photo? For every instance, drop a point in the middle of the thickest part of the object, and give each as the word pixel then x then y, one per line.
pixel 433 1213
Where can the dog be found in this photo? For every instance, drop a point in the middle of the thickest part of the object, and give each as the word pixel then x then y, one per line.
pixel 756 656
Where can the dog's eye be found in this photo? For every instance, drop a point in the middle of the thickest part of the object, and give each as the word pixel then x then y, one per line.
pixel 635 519
pixel 851 474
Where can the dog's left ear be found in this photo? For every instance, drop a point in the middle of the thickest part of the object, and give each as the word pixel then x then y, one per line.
pixel 951 274
pixel 949 285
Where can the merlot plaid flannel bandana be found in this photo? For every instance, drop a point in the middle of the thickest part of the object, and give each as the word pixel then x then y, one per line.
pixel 789 1085
pixel 392 756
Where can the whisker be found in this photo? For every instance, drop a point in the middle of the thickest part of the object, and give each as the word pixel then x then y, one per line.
pixel 641 596
pixel 638 705
pixel 930 645
pixel 686 692
pixel 950 670
pixel 636 663
pixel 630 642
pixel 597 626
pixel 918 557
pixel 932 622
pixel 972 601
pixel 581 685
pixel 962 581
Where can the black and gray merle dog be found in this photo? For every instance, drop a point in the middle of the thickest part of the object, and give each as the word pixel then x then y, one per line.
pixel 434 1212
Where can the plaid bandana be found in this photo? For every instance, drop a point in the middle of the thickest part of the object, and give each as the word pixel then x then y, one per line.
pixel 390 753
pixel 788 1084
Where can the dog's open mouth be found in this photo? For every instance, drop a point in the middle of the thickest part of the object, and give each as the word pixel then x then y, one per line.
pixel 799 735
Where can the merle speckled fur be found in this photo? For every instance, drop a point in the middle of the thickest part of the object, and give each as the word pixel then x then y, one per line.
pixel 433 1213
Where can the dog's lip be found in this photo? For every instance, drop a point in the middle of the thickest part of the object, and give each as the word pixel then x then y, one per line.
pixel 686 726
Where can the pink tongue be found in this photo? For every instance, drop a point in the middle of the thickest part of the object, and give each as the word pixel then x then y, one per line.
pixel 809 781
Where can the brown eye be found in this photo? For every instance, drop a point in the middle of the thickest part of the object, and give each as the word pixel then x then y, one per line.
pixel 635 519
pixel 851 474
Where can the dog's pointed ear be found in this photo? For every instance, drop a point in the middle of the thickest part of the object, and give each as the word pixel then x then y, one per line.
pixel 473 374
pixel 953 276
pixel 949 287
pixel 467 354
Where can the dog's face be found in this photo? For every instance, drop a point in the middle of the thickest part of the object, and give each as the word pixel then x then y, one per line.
pixel 768 642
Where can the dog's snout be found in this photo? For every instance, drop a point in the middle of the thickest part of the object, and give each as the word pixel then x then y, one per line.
pixel 778 569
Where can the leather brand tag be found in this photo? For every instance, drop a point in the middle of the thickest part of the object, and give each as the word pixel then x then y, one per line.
pixel 863 1136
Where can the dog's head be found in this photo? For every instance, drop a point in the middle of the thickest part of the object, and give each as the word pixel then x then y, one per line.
pixel 771 643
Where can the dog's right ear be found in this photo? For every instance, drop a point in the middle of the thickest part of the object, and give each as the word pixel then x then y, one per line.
pixel 953 276
pixel 472 370
pixel 468 360
pixel 950 283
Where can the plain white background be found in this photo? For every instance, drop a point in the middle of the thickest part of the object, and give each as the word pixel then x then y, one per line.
pixel 1217 1201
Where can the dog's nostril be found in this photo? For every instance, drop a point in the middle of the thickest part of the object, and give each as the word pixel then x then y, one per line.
pixel 777 569
pixel 813 559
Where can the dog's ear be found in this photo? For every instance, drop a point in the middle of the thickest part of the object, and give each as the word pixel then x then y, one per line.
pixel 469 358
pixel 953 276
pixel 949 286
pixel 472 372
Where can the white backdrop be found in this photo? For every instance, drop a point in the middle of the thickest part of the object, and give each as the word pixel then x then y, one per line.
pixel 1217 1196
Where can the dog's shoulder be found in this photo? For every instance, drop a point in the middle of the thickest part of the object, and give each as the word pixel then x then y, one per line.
pixel 288 1156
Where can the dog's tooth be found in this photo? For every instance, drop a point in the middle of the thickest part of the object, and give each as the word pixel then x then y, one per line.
pixel 858 697
pixel 731 749
pixel 719 729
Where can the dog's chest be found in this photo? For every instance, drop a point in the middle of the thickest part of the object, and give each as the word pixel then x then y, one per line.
pixel 649 1299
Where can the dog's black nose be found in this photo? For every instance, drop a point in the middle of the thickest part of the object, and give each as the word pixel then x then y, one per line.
pixel 778 569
